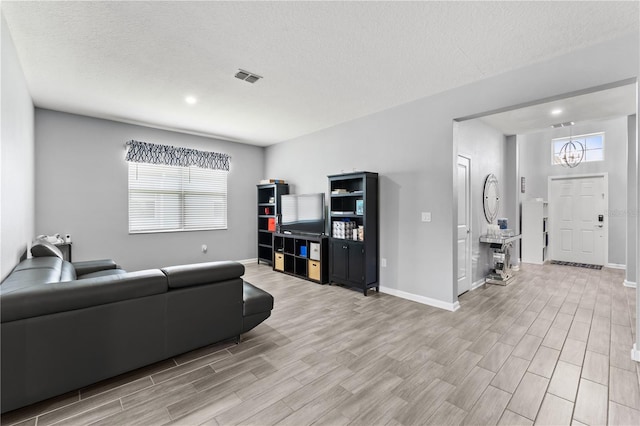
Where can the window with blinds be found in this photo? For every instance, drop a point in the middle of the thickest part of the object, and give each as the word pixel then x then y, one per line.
pixel 171 198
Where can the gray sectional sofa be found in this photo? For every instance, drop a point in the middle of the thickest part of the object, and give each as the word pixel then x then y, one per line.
pixel 68 325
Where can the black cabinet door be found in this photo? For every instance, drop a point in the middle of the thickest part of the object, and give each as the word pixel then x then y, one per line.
pixel 356 263
pixel 338 251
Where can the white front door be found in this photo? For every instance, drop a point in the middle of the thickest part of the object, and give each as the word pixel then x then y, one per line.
pixel 464 225
pixel 578 228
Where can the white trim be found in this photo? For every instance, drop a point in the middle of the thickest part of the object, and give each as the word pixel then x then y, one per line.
pixel 469 222
pixel 635 353
pixel 477 284
pixel 248 261
pixel 629 284
pixel 421 299
pixel 615 266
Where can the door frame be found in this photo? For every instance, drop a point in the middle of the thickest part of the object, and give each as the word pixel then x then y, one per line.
pixel 469 265
pixel 604 175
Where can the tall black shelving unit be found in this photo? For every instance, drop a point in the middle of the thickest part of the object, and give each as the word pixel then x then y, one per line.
pixel 269 209
pixel 353 261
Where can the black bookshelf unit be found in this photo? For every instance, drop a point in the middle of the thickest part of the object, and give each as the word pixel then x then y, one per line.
pixel 269 209
pixel 304 256
pixel 353 259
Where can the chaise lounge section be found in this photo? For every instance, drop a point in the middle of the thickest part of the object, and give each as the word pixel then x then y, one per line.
pixel 68 325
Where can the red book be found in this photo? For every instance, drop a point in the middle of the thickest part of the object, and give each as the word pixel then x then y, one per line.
pixel 272 224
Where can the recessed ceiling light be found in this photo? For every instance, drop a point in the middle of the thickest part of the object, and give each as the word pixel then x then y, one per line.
pixel 190 100
pixel 556 111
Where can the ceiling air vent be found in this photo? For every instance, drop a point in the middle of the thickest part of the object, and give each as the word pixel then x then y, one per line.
pixel 247 76
pixel 566 124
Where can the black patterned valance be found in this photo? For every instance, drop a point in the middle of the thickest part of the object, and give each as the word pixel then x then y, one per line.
pixel 151 153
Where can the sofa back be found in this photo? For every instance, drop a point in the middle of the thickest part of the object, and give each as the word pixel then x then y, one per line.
pixel 37 271
pixel 47 298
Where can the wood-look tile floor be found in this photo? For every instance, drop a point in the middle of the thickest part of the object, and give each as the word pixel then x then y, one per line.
pixel 551 348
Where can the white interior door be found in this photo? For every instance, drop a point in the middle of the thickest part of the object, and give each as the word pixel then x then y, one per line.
pixel 464 224
pixel 578 230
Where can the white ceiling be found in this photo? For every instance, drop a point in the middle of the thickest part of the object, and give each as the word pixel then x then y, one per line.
pixel 615 102
pixel 323 63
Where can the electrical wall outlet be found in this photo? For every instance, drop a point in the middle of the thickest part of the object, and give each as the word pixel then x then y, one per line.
pixel 426 216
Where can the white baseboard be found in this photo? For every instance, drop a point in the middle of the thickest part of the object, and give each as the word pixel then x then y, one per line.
pixel 635 353
pixel 247 261
pixel 630 284
pixel 616 266
pixel 477 284
pixel 421 299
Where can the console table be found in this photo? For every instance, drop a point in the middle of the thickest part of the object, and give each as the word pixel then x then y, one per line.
pixel 502 273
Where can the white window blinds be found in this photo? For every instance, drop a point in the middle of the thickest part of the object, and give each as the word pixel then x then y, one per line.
pixel 166 198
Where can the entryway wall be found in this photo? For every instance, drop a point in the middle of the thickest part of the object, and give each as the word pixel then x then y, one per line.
pixel 535 167
pixel 487 148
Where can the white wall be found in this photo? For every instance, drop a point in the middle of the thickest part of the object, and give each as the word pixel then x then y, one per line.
pixel 536 167
pixel 632 212
pixel 487 149
pixel 81 189
pixel 16 159
pixel 412 148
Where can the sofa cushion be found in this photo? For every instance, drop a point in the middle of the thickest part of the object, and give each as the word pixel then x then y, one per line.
pixel 255 299
pixel 88 266
pixel 33 301
pixel 105 273
pixel 33 272
pixel 202 273
pixel 42 248
pixel 39 262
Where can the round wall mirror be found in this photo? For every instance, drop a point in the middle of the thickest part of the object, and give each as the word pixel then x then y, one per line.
pixel 491 198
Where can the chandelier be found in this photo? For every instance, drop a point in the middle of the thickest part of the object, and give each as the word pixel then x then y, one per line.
pixel 573 152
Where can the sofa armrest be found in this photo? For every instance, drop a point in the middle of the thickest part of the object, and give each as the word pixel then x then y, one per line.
pixel 71 295
pixel 202 273
pixel 89 266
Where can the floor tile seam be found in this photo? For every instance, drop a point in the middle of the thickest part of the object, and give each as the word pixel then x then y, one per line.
pixel 516 388
pixel 150 401
pixel 235 364
pixel 172 377
pixel 95 396
pixel 113 388
pixel 578 393
pixel 624 405
pixel 65 419
pixel 321 396
pixel 23 420
pixel 36 416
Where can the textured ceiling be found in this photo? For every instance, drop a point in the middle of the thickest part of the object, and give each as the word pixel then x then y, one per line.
pixel 323 63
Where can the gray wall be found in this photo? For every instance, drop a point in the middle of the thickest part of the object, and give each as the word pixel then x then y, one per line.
pixel 535 166
pixel 412 147
pixel 487 149
pixel 16 159
pixel 81 189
